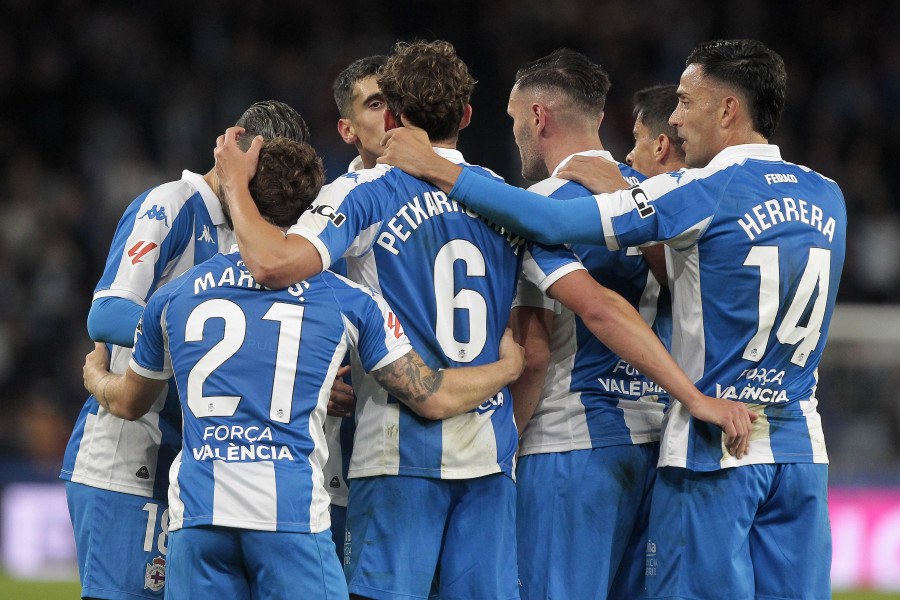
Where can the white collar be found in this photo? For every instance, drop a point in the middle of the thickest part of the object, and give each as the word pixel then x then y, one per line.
pixel 451 154
pixel 604 153
pixel 741 152
pixel 210 198
pixel 356 164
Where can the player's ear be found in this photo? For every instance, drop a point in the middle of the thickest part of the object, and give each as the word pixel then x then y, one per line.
pixel 467 116
pixel 346 131
pixel 390 121
pixel 662 147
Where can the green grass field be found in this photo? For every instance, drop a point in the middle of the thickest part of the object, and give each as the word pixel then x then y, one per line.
pixel 17 589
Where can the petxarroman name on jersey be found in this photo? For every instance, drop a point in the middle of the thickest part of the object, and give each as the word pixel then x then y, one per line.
pixel 244 444
pixel 786 210
pixel 433 204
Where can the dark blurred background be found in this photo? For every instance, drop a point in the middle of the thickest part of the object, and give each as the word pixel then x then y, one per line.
pixel 102 100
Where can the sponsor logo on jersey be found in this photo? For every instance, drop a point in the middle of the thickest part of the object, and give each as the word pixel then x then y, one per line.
pixel 155 574
pixel 335 482
pixel 143 473
pixel 645 209
pixel 328 212
pixel 156 212
pixel 676 175
pixel 352 175
pixel 394 323
pixel 138 251
pixel 206 236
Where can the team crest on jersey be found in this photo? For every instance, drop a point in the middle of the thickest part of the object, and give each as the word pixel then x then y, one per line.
pixel 329 213
pixel 156 212
pixel 155 574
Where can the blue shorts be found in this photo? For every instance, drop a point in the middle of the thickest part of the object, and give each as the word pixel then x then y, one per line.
pixel 239 564
pixel 584 507
pixel 407 531
pixel 121 542
pixel 758 531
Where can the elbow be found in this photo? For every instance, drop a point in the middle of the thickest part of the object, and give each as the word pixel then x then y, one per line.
pixel 267 273
pixel 125 411
pixel 432 409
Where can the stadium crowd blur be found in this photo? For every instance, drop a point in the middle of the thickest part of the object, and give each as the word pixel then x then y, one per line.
pixel 102 100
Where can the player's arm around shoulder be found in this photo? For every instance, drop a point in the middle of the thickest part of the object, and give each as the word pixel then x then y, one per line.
pixel 449 392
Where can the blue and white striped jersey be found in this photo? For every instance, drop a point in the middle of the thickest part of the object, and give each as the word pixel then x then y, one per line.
pixel 451 276
pixel 255 367
pixel 592 398
pixel 759 246
pixel 163 232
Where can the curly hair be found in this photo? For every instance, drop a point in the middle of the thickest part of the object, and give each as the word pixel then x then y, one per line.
pixel 288 178
pixel 429 85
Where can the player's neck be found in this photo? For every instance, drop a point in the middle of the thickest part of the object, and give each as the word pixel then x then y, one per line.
pixel 555 153
pixel 212 180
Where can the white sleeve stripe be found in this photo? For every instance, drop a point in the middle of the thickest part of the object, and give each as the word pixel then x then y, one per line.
pixel 394 355
pixel 559 274
pixel 324 254
pixel 609 235
pixel 120 293
pixel 149 373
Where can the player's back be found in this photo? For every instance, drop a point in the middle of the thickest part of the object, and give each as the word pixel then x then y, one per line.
pixel 254 368
pixel 450 276
pixel 754 297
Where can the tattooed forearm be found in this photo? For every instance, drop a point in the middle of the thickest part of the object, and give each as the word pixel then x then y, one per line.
pixel 409 378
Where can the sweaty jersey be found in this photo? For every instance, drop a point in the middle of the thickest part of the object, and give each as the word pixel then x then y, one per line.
pixel 451 276
pixel 759 246
pixel 163 232
pixel 592 398
pixel 255 367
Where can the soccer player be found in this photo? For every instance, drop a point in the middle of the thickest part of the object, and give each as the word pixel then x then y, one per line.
pixel 116 470
pixel 361 107
pixel 595 416
pixel 254 366
pixel 760 244
pixel 657 147
pixel 430 257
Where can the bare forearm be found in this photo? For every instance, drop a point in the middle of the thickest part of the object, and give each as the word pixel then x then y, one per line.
pixel 531 328
pixel 273 259
pixel 619 326
pixel 450 392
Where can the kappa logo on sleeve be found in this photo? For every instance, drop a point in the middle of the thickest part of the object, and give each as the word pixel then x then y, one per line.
pixel 329 213
pixel 645 208
pixel 156 212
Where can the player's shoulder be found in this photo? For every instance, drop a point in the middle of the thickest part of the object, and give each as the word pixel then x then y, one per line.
pixel 354 179
pixel 483 171
pixel 555 187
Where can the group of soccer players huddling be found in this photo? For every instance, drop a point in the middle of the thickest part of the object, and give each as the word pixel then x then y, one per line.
pixel 599 387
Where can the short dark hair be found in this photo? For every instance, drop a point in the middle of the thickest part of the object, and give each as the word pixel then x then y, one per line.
pixel 572 73
pixel 288 178
pixel 653 106
pixel 427 83
pixel 753 69
pixel 346 79
pixel 271 119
